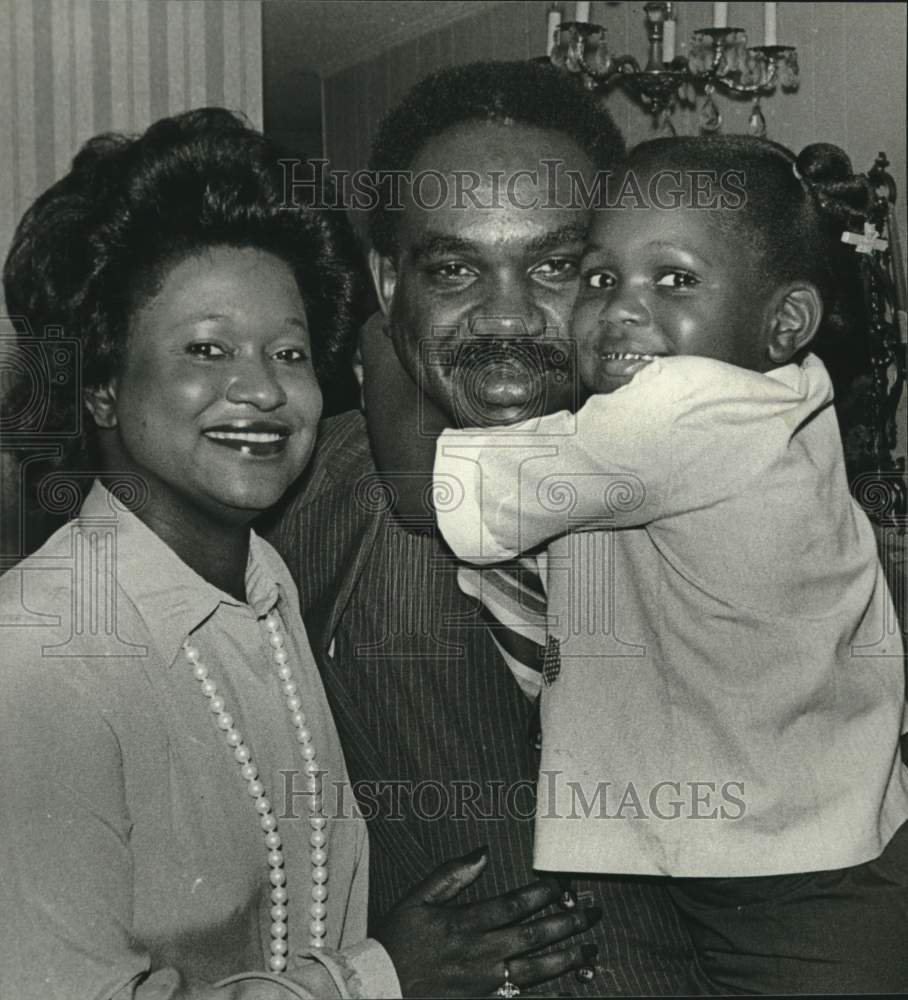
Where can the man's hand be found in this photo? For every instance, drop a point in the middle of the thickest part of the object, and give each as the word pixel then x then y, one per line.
pixel 442 949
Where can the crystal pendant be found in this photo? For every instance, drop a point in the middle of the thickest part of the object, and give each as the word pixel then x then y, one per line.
pixel 756 124
pixel 597 56
pixel 752 68
pixel 710 117
pixel 788 70
pixel 687 93
pixel 700 58
pixel 574 52
pixel 665 128
pixel 734 53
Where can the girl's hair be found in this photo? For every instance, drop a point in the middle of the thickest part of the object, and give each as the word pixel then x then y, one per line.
pixel 98 243
pixel 793 213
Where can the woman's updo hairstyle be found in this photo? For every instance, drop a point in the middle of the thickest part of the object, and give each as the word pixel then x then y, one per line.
pixel 98 243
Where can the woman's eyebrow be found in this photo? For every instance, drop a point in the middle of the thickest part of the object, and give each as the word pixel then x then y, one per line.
pixel 205 315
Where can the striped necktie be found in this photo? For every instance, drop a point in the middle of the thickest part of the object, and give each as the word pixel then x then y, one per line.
pixel 513 605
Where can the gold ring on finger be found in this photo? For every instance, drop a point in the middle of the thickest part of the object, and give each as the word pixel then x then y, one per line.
pixel 507 988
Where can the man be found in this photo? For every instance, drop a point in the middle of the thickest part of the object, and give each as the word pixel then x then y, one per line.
pixel 476 277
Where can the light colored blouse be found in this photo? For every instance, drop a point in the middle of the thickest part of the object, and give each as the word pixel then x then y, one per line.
pixel 731 689
pixel 133 863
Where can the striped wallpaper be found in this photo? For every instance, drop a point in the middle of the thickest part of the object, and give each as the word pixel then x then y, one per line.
pixel 72 68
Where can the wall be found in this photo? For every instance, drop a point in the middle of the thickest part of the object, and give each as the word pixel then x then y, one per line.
pixel 291 89
pixel 852 58
pixel 72 68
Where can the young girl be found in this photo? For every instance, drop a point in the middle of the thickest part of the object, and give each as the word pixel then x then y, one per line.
pixel 724 691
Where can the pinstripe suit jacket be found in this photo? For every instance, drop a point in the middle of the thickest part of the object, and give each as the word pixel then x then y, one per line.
pixel 433 725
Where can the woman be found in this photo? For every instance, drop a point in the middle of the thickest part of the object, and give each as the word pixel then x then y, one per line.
pixel 177 819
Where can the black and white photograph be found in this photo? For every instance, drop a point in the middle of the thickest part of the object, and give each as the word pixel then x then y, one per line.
pixel 453 499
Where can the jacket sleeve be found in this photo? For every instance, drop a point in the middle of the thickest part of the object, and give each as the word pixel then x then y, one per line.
pixel 684 434
pixel 510 489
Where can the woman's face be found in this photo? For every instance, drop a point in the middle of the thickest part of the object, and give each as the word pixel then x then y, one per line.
pixel 216 405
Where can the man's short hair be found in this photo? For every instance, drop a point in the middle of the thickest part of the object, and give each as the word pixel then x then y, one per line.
pixel 527 93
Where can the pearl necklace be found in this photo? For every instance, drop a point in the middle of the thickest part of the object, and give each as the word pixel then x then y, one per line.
pixel 267 820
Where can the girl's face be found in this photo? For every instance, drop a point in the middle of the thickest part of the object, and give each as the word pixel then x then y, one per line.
pixel 657 283
pixel 216 405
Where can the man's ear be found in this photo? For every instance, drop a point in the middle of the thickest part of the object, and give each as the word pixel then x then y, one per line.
pixel 102 404
pixel 384 278
pixel 357 365
pixel 794 320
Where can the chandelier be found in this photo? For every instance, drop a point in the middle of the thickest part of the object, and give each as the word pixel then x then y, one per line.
pixel 719 58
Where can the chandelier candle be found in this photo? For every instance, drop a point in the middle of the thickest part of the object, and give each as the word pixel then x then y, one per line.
pixel 769 24
pixel 552 25
pixel 668 37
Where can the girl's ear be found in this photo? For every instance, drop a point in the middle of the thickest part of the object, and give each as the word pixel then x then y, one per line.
pixel 102 404
pixel 794 321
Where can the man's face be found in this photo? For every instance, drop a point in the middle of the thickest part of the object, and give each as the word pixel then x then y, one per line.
pixel 479 297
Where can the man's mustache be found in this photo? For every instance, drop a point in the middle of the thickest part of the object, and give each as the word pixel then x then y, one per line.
pixel 538 355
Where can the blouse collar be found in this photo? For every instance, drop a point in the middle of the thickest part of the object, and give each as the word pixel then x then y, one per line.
pixel 171 597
